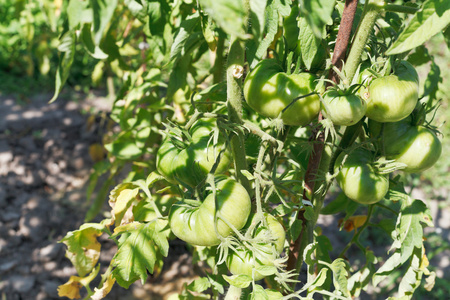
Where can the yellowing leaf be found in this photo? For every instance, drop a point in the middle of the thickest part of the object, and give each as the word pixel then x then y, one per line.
pixel 83 249
pixel 105 289
pixel 354 222
pixel 96 152
pixel 120 199
pixel 70 289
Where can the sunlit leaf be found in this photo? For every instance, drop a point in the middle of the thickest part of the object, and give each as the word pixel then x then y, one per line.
pixel 431 19
pixel 139 246
pixel 240 281
pixel 229 15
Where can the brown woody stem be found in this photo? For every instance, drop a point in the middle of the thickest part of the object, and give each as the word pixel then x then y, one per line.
pixel 305 237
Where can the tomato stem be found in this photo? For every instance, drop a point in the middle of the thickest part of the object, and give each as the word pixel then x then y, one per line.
pixel 400 8
pixel 235 69
pixel 357 234
pixel 319 160
pixel 371 11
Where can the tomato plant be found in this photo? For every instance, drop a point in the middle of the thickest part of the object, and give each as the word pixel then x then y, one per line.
pixel 264 93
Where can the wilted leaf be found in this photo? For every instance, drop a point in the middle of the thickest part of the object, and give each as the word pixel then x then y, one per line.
pixel 352 223
pixel 83 249
pixel 105 289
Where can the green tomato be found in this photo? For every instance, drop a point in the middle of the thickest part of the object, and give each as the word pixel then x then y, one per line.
pixel 416 146
pixel 195 224
pixel 268 91
pixel 244 262
pixel 189 162
pixel 343 108
pixel 392 98
pixel 358 179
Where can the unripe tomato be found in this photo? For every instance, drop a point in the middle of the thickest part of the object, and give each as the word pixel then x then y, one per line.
pixel 195 224
pixel 243 262
pixel 190 161
pixel 416 146
pixel 358 179
pixel 268 91
pixel 343 108
pixel 392 98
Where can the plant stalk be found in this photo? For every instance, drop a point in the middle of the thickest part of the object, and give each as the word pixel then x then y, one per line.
pixel 320 159
pixel 235 70
pixel 400 8
pixel 370 15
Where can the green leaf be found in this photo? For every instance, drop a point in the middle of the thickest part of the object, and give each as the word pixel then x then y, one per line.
pixel 266 270
pixel 431 85
pixel 274 295
pixel 229 15
pixel 88 43
pixel 336 205
pixel 67 47
pixel 103 11
pixel 78 12
pixel 431 19
pixel 409 232
pixel 420 56
pixel 318 14
pixel 257 47
pixel 446 34
pixel 240 281
pixel 259 293
pixel 199 285
pixel 258 17
pixel 359 280
pixel 387 268
pixel 413 276
pixel 83 249
pixel 340 275
pixel 309 43
pixel 138 250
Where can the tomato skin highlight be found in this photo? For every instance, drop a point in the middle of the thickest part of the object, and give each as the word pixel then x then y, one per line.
pixel 416 146
pixel 243 262
pixel 358 179
pixel 195 225
pixel 343 109
pixel 268 90
pixel 392 98
pixel 191 164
